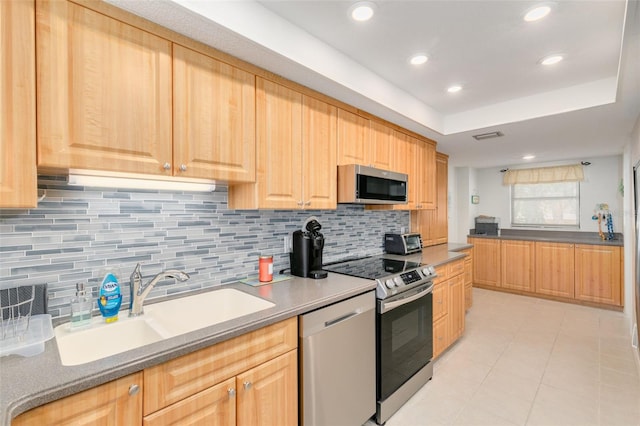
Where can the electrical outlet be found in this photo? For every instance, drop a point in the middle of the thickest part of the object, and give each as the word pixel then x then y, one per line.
pixel 403 230
pixel 287 244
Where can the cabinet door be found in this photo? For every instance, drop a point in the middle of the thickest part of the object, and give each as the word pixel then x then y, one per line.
pixel 440 300
pixel 268 394
pixel 18 187
pixel 114 403
pixel 440 336
pixel 518 260
pixel 554 272
pixel 404 162
pixel 598 274
pixel 319 172
pixel 468 279
pixel 486 261
pixel 381 149
pixel 215 406
pixel 353 138
pixel 425 174
pixel 456 307
pixel 213 119
pixel 279 145
pixel 440 214
pixel 104 92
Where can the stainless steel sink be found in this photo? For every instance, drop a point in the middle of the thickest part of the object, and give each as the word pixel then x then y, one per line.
pixel 160 321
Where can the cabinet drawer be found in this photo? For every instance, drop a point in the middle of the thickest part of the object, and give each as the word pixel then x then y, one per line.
pixel 182 377
pixel 215 405
pixel 455 268
pixel 440 300
pixel 440 336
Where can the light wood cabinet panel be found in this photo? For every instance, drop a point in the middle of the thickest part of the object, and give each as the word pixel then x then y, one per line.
pixel 215 406
pixel 213 118
pixel 296 153
pixel 554 271
pixel 108 404
pixel 18 175
pixel 268 394
pixel 440 301
pixel 353 137
pixel 433 225
pixel 456 307
pixel 381 148
pixel 518 265
pixel 104 96
pixel 440 336
pixel 185 376
pixel 486 261
pixel 319 169
pixel 468 278
pixel 425 176
pixel 598 274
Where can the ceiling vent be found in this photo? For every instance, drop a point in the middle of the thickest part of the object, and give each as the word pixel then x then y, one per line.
pixel 489 135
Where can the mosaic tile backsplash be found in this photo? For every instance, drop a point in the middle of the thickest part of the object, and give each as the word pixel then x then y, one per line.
pixel 78 234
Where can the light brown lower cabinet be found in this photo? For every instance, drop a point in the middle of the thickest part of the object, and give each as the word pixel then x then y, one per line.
pixel 115 403
pixel 468 278
pixel 517 261
pixel 248 380
pixel 569 272
pixel 448 305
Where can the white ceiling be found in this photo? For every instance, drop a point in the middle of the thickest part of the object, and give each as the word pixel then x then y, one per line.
pixel 583 107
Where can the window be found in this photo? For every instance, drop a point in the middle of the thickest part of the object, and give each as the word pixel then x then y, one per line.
pixel 555 204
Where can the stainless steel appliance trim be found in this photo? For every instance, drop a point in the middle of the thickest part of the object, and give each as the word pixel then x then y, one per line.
pixel 386 408
pixel 386 174
pixel 389 305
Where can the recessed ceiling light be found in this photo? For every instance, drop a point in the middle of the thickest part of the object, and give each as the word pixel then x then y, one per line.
pixel 551 60
pixel 454 89
pixel 362 11
pixel 418 59
pixel 528 157
pixel 537 13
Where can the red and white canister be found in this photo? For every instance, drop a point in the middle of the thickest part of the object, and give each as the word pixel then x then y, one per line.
pixel 265 269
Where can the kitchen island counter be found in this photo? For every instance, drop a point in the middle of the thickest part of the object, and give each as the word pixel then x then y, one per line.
pixel 28 382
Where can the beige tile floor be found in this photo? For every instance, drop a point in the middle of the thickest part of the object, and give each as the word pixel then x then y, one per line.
pixel 528 361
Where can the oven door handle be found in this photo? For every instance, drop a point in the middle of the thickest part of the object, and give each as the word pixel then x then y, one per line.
pixel 388 306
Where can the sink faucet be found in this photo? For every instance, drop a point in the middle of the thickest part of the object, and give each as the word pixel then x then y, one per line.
pixel 139 291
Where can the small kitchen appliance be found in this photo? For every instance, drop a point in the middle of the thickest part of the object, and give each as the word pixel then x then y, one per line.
pixel 487 225
pixel 306 257
pixel 402 243
pixel 404 326
pixel 367 185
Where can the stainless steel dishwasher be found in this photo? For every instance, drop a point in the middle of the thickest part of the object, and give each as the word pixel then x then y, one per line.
pixel 338 363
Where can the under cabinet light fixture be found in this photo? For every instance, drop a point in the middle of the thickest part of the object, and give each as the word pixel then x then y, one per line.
pixel 90 178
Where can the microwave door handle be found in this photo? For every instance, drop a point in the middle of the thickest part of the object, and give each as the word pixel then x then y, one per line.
pixel 388 306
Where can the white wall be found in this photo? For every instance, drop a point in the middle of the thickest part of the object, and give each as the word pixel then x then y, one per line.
pixel 462 185
pixel 601 185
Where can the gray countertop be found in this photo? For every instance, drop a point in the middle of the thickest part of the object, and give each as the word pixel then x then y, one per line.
pixel 24 386
pixel 28 382
pixel 554 236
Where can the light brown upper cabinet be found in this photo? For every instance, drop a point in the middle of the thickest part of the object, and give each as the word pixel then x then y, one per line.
pixel 433 225
pixel 354 136
pixel 425 176
pixel 104 93
pixel 598 274
pixel 296 152
pixel 363 141
pixel 18 187
pixel 213 118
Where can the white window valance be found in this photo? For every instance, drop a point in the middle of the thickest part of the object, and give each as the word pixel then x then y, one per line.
pixel 569 173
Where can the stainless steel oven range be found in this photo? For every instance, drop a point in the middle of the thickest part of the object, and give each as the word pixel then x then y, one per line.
pixel 404 326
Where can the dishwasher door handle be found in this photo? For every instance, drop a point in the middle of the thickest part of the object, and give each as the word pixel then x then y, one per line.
pixel 342 318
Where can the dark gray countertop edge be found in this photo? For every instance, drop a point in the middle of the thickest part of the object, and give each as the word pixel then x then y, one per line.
pixel 16 396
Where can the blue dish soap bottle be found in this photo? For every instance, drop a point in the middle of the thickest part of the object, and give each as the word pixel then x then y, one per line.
pixel 109 298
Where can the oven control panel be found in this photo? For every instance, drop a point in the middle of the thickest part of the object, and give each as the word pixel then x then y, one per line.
pixel 394 284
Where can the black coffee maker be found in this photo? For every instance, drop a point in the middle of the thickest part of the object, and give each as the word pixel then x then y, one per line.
pixel 306 257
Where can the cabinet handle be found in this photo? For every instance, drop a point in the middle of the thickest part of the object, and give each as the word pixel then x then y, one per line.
pixel 308 203
pixel 134 389
pixel 247 385
pixel 231 392
pixel 183 168
pixel 300 203
pixel 166 166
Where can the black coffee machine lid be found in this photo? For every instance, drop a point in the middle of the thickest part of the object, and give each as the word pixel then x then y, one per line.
pixel 312 225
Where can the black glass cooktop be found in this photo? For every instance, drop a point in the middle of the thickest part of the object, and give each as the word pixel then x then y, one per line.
pixel 371 267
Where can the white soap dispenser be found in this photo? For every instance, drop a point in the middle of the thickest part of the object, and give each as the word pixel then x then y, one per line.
pixel 81 307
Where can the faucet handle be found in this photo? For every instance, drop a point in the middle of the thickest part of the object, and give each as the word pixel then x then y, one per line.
pixel 136 275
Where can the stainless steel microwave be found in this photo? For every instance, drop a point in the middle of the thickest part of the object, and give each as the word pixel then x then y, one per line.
pixel 368 185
